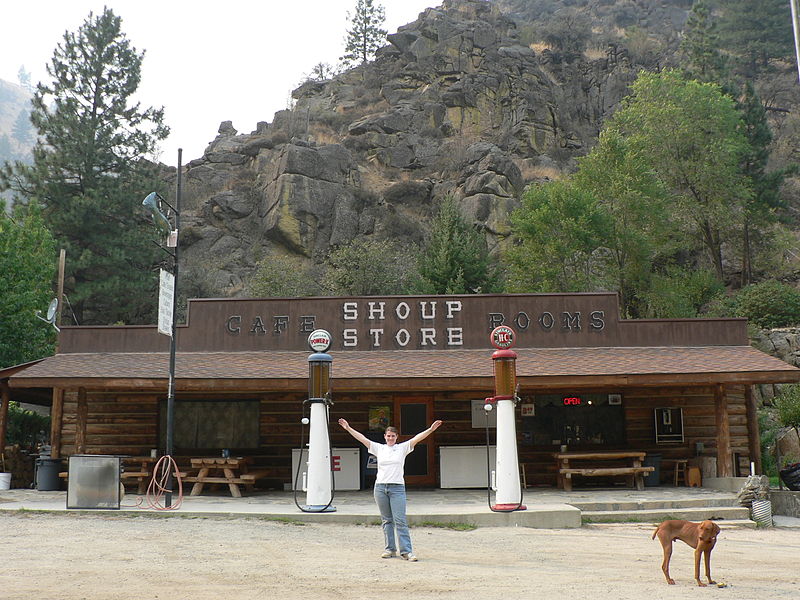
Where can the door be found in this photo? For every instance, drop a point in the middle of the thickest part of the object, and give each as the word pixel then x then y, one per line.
pixel 415 414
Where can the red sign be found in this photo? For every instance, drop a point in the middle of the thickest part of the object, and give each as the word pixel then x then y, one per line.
pixel 574 401
pixel 502 337
pixel 336 463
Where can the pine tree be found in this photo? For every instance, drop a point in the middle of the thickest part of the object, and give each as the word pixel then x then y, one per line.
pixel 700 46
pixel 759 213
pixel 89 171
pixel 456 259
pixel 756 31
pixel 22 129
pixel 366 34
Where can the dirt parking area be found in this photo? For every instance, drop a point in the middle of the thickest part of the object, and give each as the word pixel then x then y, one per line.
pixel 70 556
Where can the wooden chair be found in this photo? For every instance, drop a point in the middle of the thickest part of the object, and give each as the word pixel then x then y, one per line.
pixel 680 471
pixel 523 476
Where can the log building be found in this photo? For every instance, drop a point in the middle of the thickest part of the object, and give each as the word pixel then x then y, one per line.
pixel 588 380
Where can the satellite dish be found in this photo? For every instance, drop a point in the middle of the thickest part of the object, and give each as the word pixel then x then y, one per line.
pixel 51 310
pixel 51 314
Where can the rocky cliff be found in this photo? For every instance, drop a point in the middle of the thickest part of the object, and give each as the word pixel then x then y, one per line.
pixel 455 104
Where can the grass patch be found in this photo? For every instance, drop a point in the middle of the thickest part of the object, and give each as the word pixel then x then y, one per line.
pixel 449 525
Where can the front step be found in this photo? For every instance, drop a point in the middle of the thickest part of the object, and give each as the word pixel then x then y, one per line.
pixel 725 500
pixel 656 515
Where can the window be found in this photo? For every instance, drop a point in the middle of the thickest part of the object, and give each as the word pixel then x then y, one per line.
pixel 212 424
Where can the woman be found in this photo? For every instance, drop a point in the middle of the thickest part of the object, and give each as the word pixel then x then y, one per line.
pixel 390 487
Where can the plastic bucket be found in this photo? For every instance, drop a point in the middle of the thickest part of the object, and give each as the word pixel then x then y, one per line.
pixel 762 512
pixel 5 481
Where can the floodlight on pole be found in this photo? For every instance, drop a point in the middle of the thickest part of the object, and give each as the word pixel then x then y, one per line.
pixel 153 203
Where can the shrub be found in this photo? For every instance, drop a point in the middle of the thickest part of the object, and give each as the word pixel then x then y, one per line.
pixel 26 427
pixel 768 304
pixel 788 404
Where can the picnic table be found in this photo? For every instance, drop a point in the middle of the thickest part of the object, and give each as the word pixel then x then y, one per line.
pixel 598 464
pixel 138 469
pixel 232 472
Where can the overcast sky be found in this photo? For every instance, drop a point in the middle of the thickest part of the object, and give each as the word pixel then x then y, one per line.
pixel 205 62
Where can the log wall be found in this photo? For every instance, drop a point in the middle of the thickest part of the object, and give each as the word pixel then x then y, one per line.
pixel 128 424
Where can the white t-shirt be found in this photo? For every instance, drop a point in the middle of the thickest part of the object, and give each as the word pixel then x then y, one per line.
pixel 391 461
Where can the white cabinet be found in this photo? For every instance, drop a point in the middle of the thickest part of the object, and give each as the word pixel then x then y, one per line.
pixel 464 466
pixel 346 468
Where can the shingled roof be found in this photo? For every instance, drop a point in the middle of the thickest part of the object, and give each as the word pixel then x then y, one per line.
pixel 384 370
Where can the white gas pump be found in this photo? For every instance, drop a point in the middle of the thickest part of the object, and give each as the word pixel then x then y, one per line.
pixel 505 478
pixel 317 473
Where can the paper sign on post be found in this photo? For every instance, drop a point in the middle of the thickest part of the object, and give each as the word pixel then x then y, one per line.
pixel 166 296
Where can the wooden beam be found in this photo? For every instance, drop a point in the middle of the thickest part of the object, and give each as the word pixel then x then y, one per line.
pixel 753 433
pixel 724 456
pixel 82 413
pixel 56 416
pixel 5 399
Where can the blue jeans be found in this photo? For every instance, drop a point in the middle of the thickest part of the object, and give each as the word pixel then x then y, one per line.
pixel 391 501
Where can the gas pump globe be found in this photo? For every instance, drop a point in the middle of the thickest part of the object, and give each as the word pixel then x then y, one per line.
pixel 506 474
pixel 318 478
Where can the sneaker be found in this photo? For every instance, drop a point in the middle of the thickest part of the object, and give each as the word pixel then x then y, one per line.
pixel 409 556
pixel 389 554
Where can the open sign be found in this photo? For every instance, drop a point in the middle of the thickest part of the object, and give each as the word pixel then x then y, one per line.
pixel 319 340
pixel 502 337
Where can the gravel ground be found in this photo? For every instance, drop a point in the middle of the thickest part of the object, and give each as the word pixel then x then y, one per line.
pixel 68 556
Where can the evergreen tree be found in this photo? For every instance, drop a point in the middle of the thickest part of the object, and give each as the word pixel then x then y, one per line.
pixel 700 46
pixel 24 78
pixel 456 259
pixel 22 129
pixel 27 269
pixel 89 171
pixel 756 31
pixel 366 33
pixel 759 214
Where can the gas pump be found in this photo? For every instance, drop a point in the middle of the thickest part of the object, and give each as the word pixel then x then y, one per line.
pixel 317 473
pixel 505 478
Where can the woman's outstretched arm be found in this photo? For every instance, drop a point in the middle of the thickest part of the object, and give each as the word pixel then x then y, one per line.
pixel 423 434
pixel 359 436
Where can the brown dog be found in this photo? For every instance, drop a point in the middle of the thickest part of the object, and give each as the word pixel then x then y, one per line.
pixel 700 536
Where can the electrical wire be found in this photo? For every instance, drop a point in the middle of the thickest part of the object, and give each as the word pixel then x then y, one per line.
pixel 163 469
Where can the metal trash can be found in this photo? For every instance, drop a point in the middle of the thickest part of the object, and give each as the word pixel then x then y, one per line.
pixel 652 478
pixel 47 470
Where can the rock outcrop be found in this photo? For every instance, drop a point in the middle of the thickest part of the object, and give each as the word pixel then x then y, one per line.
pixel 454 105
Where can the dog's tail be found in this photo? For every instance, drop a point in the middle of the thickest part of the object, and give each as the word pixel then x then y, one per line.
pixel 655 532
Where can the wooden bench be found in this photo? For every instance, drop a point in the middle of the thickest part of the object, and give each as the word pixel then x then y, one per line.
pixel 632 472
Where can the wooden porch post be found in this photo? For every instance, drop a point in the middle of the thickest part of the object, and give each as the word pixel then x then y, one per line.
pixel 5 399
pixel 724 457
pixel 81 422
pixel 753 434
pixel 56 416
